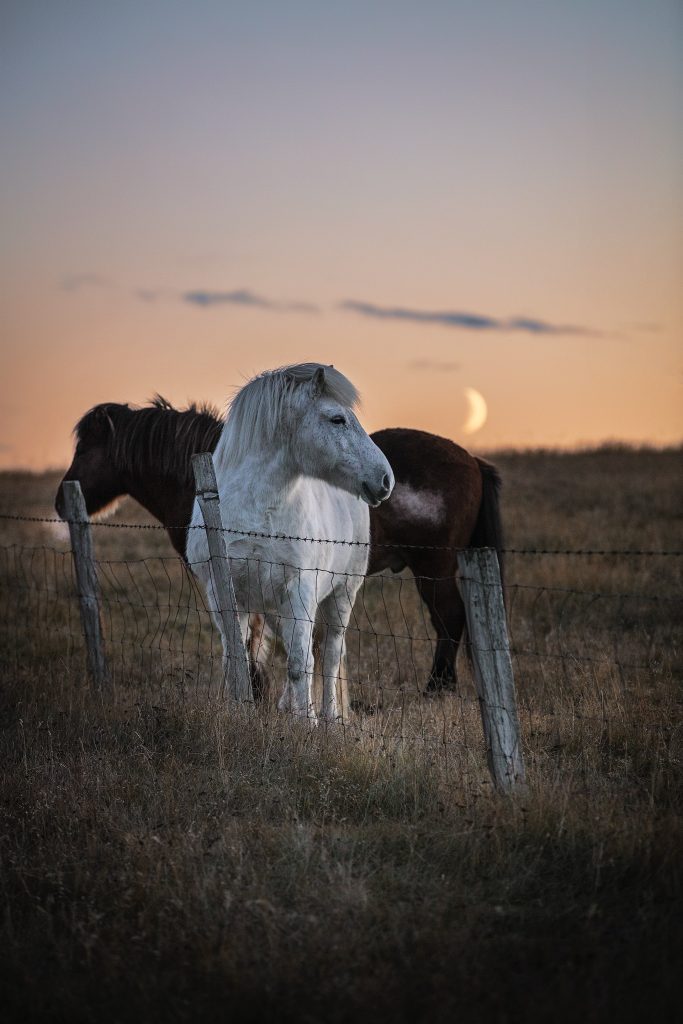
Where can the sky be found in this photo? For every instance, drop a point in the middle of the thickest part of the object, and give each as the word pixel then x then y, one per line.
pixel 439 198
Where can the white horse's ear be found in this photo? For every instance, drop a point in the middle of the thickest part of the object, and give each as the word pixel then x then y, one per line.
pixel 318 382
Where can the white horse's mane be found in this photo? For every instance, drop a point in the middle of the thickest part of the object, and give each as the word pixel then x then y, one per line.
pixel 257 413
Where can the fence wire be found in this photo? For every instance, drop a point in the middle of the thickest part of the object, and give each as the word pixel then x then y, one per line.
pixel 584 658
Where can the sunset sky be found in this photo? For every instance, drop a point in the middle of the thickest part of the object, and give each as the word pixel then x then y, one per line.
pixel 433 196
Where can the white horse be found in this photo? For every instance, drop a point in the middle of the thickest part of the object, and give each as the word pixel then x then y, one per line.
pixel 293 461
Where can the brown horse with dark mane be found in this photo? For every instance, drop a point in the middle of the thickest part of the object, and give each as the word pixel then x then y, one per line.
pixel 444 498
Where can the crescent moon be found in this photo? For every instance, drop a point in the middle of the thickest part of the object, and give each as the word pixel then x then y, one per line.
pixel 478 411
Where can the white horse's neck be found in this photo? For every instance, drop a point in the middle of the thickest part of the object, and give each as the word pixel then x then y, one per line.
pixel 272 477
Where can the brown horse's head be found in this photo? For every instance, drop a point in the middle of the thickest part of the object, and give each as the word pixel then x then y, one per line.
pixel 93 463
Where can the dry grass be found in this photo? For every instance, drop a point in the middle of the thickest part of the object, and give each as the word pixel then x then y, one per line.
pixel 162 859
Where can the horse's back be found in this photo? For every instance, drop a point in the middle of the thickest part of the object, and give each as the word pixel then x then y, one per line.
pixel 421 454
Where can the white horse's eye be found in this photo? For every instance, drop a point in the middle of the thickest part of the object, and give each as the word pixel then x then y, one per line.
pixel 338 419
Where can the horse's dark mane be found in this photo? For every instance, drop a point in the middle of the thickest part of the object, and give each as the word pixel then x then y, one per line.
pixel 199 409
pixel 157 439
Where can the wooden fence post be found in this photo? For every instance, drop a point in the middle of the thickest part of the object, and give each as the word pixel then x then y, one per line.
pixel 481 589
pixel 238 678
pixel 86 580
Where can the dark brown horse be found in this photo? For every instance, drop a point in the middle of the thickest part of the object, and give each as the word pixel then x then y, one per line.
pixel 444 498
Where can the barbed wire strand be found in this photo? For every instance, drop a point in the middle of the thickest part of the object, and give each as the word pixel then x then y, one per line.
pixel 255 534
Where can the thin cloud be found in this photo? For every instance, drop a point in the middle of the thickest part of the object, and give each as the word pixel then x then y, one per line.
pixel 245 297
pixel 442 365
pixel 463 321
pixel 202 298
pixel 207 298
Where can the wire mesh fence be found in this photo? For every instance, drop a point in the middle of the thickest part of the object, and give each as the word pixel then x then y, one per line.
pixel 588 655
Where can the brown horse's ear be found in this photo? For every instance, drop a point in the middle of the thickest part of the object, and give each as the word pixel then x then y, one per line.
pixel 318 382
pixel 104 417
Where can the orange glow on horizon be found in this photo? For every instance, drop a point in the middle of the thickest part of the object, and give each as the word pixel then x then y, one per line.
pixel 522 168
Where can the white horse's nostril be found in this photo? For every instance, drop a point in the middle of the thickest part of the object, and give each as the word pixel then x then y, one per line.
pixel 376 494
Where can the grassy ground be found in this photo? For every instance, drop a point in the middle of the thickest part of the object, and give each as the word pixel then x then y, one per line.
pixel 161 859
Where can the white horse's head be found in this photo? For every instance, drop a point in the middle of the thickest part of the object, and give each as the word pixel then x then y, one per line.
pixel 332 445
pixel 307 410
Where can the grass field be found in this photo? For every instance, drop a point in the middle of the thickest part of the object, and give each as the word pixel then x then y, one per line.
pixel 165 859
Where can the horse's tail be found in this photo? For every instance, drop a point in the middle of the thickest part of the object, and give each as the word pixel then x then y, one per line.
pixel 488 529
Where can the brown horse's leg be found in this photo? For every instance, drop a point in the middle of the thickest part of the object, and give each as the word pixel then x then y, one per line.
pixel 448 618
pixel 260 683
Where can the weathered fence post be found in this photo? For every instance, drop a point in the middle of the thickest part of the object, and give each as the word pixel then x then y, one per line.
pixel 482 592
pixel 238 679
pixel 86 580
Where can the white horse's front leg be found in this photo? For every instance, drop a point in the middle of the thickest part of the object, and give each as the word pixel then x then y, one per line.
pixel 297 612
pixel 335 612
pixel 333 652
